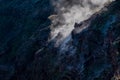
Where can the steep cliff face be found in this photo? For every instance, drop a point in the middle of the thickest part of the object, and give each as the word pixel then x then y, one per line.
pixel 97 49
pixel 99 44
pixel 30 50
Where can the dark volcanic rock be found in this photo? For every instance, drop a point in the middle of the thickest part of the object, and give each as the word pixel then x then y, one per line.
pixel 96 45
pixel 6 72
pixel 23 30
pixel 97 56
pixel 26 55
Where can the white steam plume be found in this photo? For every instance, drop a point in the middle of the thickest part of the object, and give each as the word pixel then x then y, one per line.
pixel 70 12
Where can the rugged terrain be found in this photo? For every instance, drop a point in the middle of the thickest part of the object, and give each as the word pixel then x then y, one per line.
pixel 26 53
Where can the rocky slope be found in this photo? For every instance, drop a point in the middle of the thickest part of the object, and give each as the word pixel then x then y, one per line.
pixel 25 53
